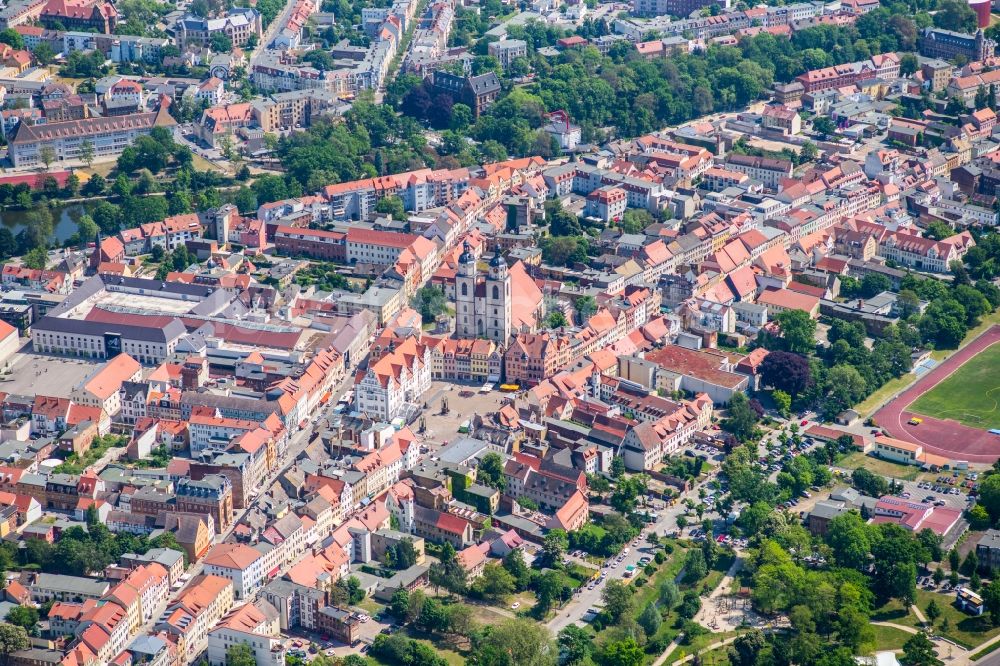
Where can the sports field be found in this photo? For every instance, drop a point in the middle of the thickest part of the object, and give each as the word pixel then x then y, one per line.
pixel 971 395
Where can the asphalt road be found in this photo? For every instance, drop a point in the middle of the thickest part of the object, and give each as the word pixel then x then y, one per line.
pixel 575 609
pixel 992 659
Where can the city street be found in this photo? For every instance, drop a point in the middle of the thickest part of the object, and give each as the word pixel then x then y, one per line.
pixel 576 608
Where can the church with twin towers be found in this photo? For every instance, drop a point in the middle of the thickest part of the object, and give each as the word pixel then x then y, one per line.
pixel 483 302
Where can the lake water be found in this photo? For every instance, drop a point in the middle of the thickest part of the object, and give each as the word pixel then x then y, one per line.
pixel 65 217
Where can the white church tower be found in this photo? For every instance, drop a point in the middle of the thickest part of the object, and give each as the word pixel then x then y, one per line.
pixel 465 295
pixel 498 301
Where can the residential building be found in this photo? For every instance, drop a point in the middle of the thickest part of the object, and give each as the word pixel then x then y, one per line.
pixel 255 625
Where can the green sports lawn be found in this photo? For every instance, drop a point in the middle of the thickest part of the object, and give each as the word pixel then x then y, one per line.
pixel 971 395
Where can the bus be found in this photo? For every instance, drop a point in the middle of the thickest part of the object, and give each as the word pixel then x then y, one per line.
pixel 510 388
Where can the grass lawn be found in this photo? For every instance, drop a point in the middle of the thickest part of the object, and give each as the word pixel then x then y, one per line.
pixel 966 630
pixel 883 467
pixel 201 164
pixel 889 389
pixel 985 651
pixel 890 638
pixel 716 657
pixel 703 641
pixel 894 612
pixel 452 657
pixel 671 623
pixel 371 606
pixel 970 395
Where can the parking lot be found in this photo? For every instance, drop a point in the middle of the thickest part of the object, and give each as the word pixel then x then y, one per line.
pixel 936 492
pixel 40 374
pixel 299 643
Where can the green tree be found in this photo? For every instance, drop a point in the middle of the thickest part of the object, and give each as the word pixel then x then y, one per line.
pixel 848 537
pixel 808 152
pixel 392 206
pixel 43 53
pixel 617 597
pixel 991 600
pixel 635 220
pixel 919 651
pixel 220 42
pixel 548 591
pixel 746 648
pixel 798 331
pixel 650 619
pixel 240 655
pixel 430 302
pixel 933 611
pixel 585 306
pixel 955 15
pixel 514 563
pixel 669 595
pixel 625 652
pixel 556 319
pixel 874 283
pixel 12 639
pixel 12 37
pixel 823 125
pixel 47 154
pixel 576 644
pixel 970 564
pixel 460 620
pixel 490 471
pixel 86 152
pixel 36 258
pixel 782 401
pixel 517 642
pixel 554 545
pixel 741 419
pixel 979 518
pixel 24 616
pixel 695 566
pixel 617 467
pixel 433 616
pixel 461 116
pixel 495 582
pixel 400 604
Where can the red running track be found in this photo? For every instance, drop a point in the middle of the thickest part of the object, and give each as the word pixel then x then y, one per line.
pixel 942 437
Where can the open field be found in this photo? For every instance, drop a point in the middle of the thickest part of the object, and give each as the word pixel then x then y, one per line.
pixel 893 386
pixel 971 395
pixel 878 466
pixel 890 638
pixel 947 438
